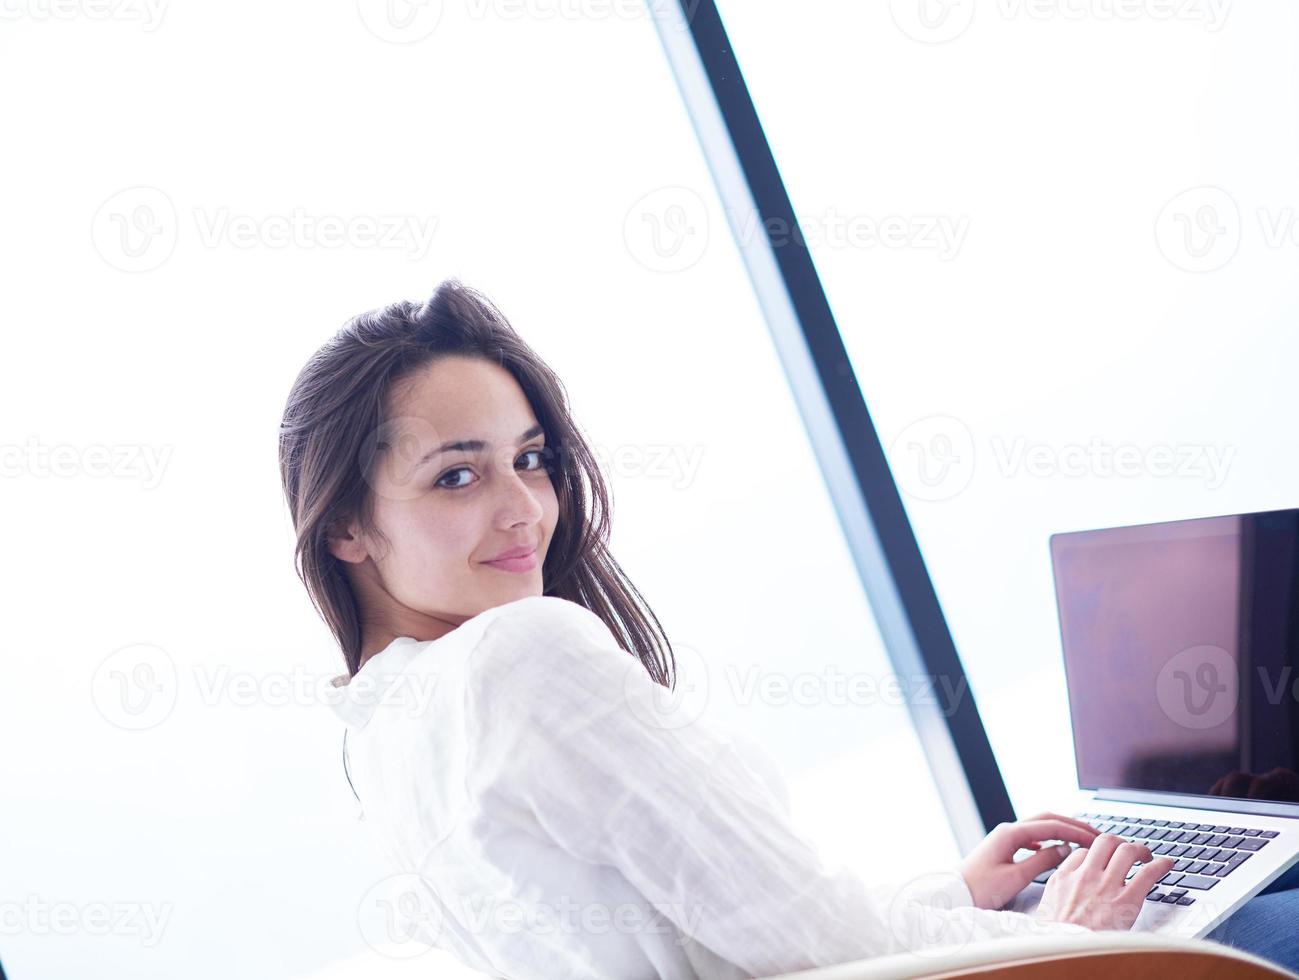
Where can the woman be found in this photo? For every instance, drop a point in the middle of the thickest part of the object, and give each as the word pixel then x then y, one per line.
pixel 507 739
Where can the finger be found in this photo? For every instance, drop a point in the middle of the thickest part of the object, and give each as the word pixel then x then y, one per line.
pixel 1080 824
pixel 1048 857
pixel 1121 862
pixel 1073 860
pixel 1025 831
pixel 1100 852
pixel 1149 875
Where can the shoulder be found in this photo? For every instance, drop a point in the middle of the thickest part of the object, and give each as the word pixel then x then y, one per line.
pixel 542 661
pixel 538 630
pixel 540 618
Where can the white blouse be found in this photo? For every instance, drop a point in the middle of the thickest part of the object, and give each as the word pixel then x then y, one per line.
pixel 559 825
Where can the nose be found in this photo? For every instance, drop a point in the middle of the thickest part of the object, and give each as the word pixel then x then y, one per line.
pixel 519 505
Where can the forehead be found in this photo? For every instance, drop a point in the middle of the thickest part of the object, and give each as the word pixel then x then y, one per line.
pixel 464 398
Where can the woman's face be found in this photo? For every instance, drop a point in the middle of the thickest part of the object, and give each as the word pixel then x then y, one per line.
pixel 447 513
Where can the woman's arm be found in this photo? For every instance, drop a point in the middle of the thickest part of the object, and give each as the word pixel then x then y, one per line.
pixel 566 734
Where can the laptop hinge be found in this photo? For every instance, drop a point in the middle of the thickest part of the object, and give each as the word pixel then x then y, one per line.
pixel 1230 804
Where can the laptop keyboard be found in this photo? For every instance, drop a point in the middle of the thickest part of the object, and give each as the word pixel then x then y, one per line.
pixel 1205 853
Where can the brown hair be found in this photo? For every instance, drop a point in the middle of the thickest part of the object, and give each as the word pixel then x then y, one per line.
pixel 327 459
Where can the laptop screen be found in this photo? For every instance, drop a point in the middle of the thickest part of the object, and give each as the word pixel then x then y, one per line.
pixel 1180 655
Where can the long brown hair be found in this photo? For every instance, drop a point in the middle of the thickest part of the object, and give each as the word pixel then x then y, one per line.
pixel 340 398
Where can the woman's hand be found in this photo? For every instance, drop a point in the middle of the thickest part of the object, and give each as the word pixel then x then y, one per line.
pixel 1088 889
pixel 992 874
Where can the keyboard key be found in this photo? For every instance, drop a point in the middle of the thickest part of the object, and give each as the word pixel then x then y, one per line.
pixel 1156 896
pixel 1252 843
pixel 1181 864
pixel 1219 830
pixel 1178 850
pixel 1232 864
pixel 1217 839
pixel 1267 833
pixel 1212 853
pixel 1193 852
pixel 1232 842
pixel 1196 867
pixel 1251 833
pixel 1199 882
pixel 1161 823
pixel 1161 849
pixel 1174 823
pixel 1213 868
pixel 1186 900
pixel 1171 878
pixel 1202 838
pixel 1235 830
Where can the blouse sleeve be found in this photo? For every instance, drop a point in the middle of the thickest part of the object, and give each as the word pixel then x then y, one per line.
pixel 569 735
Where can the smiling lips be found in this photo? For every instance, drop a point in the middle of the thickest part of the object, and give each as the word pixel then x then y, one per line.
pixel 522 559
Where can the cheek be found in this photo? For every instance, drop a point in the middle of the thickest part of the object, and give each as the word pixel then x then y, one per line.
pixel 550 505
pixel 431 542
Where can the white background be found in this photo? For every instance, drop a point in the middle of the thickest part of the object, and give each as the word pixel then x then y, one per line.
pixel 1075 140
pixel 532 141
pixel 545 144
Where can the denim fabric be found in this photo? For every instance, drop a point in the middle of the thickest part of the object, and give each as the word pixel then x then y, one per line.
pixel 1268 924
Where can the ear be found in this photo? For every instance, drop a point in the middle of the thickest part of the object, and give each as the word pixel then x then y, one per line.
pixel 345 541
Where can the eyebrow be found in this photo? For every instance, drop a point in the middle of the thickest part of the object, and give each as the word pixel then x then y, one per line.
pixel 473 445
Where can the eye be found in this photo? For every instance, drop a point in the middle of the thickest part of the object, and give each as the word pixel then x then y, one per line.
pixel 543 453
pixel 461 469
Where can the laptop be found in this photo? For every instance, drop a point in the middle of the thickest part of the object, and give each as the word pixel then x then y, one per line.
pixel 1181 655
